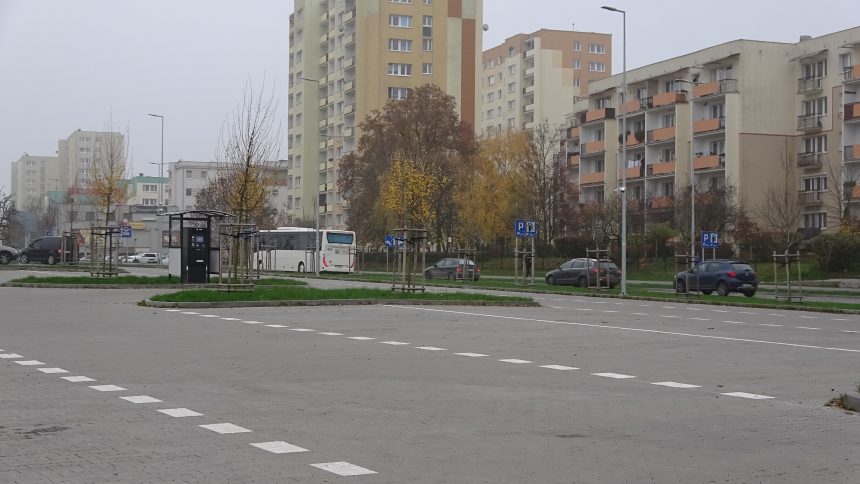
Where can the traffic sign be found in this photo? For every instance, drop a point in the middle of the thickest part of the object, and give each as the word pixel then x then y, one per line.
pixel 125 231
pixel 525 228
pixel 711 240
pixel 392 241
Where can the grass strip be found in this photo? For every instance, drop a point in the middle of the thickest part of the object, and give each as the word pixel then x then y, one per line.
pixel 133 280
pixel 313 294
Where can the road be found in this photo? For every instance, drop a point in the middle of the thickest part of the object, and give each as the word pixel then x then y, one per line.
pixel 581 390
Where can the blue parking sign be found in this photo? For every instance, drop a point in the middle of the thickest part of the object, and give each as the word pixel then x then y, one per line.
pixel 711 240
pixel 125 231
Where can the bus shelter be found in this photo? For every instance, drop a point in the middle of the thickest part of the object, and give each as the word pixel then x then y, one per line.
pixel 193 244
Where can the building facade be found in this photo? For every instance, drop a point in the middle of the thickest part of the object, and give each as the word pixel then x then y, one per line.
pixel 348 58
pixel 32 178
pixel 534 77
pixel 186 179
pixel 145 190
pixel 83 149
pixel 744 113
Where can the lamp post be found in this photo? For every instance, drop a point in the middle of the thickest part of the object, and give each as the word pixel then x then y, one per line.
pixel 692 178
pixel 161 177
pixel 316 205
pixel 623 149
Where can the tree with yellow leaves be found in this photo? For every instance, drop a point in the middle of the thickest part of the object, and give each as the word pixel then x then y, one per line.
pixel 408 193
pixel 108 174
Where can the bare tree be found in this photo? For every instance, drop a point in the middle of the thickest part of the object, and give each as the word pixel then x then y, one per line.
pixel 539 169
pixel 780 210
pixel 7 216
pixel 840 188
pixel 109 174
pixel 250 141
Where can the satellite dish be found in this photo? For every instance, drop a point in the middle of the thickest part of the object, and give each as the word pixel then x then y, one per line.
pixel 486 27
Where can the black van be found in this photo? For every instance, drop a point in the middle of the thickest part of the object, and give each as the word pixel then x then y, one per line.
pixel 44 249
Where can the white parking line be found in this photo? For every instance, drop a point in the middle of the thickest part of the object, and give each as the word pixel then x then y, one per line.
pixel 735 322
pixel 849 331
pixel 141 399
pixel 639 314
pixel 343 469
pixel 52 370
pixel 394 343
pixel 752 396
pixel 303 330
pixel 471 355
pixel 360 338
pixel 180 412
pixel 108 388
pixel 77 379
pixel 276 326
pixel 173 310
pixel 701 319
pixel 667 316
pixel 807 327
pixel 209 316
pixel 771 325
pixel 674 384
pixel 189 312
pixel 515 361
pixel 10 355
pixel 559 367
pixel 807 317
pixel 230 319
pixel 279 447
pixel 29 362
pixel 226 428
pixel 253 322
pixel 430 348
pixel 329 333
pixel 619 376
pixel 611 311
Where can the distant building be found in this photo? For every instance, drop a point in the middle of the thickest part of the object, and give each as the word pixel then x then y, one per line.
pixel 32 178
pixel 186 179
pixel 144 190
pixel 81 150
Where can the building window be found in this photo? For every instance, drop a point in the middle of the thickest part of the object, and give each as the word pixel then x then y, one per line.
pixel 400 1
pixel 298 182
pixel 400 45
pixel 399 69
pixel 815 220
pixel 188 174
pixel 491 96
pixel 815 70
pixel 491 113
pixel 596 49
pixel 577 64
pixel 817 144
pixel 512 86
pixel 150 202
pixel 203 174
pixel 512 105
pixel 815 106
pixel 427 45
pixel 596 66
pixel 576 82
pixel 491 80
pixel 604 102
pixel 427 68
pixel 397 93
pixel 814 184
pixel 428 2
pixel 187 192
pixel 404 21
pixel 427 24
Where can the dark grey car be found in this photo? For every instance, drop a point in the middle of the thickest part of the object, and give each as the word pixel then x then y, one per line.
pixel 583 272
pixel 453 268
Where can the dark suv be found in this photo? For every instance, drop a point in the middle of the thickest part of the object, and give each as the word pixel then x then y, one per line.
pixel 452 268
pixel 583 272
pixel 722 275
pixel 44 249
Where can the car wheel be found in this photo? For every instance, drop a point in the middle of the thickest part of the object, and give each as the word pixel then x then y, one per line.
pixel 550 280
pixel 5 258
pixel 682 286
pixel 723 289
pixel 136 261
pixel 583 282
pixel 451 276
pixel 428 275
pixel 301 267
pixel 24 259
pixel 749 293
pixel 52 259
pixel 707 292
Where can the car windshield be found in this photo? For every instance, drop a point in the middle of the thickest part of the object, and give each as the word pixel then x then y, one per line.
pixel 610 265
pixel 742 267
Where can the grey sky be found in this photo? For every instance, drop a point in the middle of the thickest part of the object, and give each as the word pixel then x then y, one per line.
pixel 70 64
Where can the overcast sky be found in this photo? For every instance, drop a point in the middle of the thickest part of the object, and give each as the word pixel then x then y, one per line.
pixel 69 64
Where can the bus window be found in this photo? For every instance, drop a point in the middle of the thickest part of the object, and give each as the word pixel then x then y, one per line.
pixel 339 238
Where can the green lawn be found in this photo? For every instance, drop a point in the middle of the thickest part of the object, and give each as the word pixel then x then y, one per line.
pixel 312 294
pixel 137 280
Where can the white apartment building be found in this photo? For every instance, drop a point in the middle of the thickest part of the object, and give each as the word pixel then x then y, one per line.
pixel 186 178
pixel 145 190
pixel 82 149
pixel 32 178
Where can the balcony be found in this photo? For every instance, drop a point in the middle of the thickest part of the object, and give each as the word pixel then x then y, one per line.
pixel 852 112
pixel 323 123
pixel 349 109
pixel 323 59
pixel 809 122
pixel 348 132
pixel 588 178
pixel 528 108
pixel 634 172
pixel 349 39
pixel 851 74
pixel 632 141
pixel 349 86
pixel 322 145
pixel 855 192
pixel 349 63
pixel 709 162
pixel 810 160
pixel 573 133
pixel 668 98
pixel 323 38
pixel 529 53
pixel 573 161
pixel 662 168
pixel 809 85
pixel 631 106
pixel 706 125
pixel 811 198
pixel 851 153
pixel 349 16
pixel 529 72
pixel 660 202
pixel 323 101
pixel 324 17
pixel 599 114
pixel 714 88
pixel 661 134
pixel 593 147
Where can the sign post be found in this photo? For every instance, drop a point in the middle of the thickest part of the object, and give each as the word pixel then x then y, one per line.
pixel 524 229
pixel 711 240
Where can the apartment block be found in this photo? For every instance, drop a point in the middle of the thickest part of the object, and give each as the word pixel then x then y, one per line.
pixel 145 190
pixel 347 58
pixel 32 178
pixel 534 77
pixel 732 114
pixel 186 179
pixel 81 150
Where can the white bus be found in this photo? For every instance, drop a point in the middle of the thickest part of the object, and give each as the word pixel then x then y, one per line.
pixel 292 249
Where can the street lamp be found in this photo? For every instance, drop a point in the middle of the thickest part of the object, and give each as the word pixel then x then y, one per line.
pixel 692 178
pixel 161 164
pixel 623 149
pixel 316 205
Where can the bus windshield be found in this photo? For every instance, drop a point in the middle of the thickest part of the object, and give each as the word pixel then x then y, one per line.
pixel 339 238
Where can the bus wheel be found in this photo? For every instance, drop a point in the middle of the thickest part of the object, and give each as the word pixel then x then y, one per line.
pixel 301 266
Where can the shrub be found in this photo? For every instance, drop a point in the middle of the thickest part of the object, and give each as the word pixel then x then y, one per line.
pixel 836 252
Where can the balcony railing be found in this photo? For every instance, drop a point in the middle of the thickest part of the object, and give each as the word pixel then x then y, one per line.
pixel 660 202
pixel 852 111
pixel 716 87
pixel 811 198
pixel 709 162
pixel 855 192
pixel 635 171
pixel 592 147
pixel 662 168
pixel 809 84
pixel 598 114
pixel 809 122
pixel 712 124
pixel 668 98
pixel 851 153
pixel 661 134
pixel 851 73
pixel 573 160
pixel 573 133
pixel 596 177
pixel 807 160
pixel 631 106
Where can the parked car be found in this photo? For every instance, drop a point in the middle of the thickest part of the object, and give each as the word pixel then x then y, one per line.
pixel 452 268
pixel 722 275
pixel 144 258
pixel 583 271
pixel 7 254
pixel 48 249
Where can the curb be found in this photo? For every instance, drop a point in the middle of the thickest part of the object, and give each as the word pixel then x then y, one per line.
pixel 851 401
pixel 332 302
pixel 121 286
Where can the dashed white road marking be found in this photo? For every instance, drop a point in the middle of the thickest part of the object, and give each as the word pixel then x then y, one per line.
pixel 343 469
pixel 639 314
pixel 701 319
pixel 226 428
pixel 29 362
pixel 735 322
pixel 431 348
pixel 610 311
pixel 360 338
pixel 669 307
pixel 695 309
pixel 52 370
pixel 230 319
pixel 674 384
pixel 394 343
pixel 253 322
pixel 189 312
pixel 279 447
pixel 209 316
pixel 775 314
pixel 330 333
pixel 620 304
pixel 555 307
pixel 515 361
pixel 746 312
pixel 172 310
pixel 77 379
pixel 180 412
pixel 108 388
pixel 559 367
pixel 667 316
pixel 10 355
pixel 597 302
pixel 619 376
pixel 719 310
pixel 141 399
pixel 807 327
pixel 771 325
pixel 752 396
pixel 276 326
pixel 645 305
pixel 807 317
pixel 849 331
pixel 303 330
pixel 624 328
pixel 471 355
pixel 840 319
